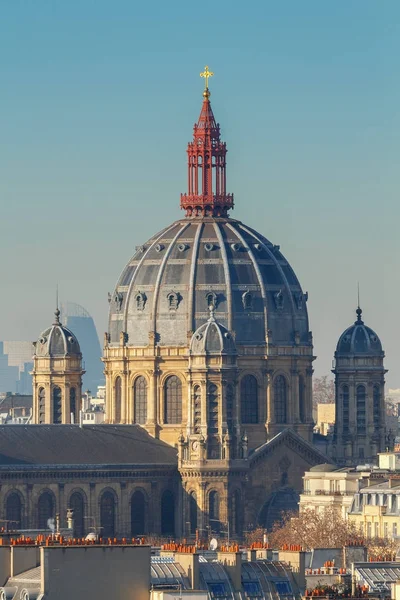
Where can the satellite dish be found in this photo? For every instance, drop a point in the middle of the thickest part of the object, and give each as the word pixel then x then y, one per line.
pixel 50 524
pixel 213 544
pixel 91 536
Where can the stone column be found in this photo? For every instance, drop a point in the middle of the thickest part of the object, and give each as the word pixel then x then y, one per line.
pixel 28 517
pixel 154 510
pixel 108 402
pixel 270 405
pixel 123 524
pixel 124 394
pixel 202 521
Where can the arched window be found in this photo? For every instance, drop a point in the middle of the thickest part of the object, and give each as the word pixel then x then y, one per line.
pixel 173 400
pixel 193 512
pixel 138 513
pixel 376 400
pixel 57 406
pixel 117 399
pixel 346 408
pixel 361 416
pixel 212 409
pixel 13 511
pixel 107 515
pixel 236 513
pixel 140 400
pixel 249 399
pixel 213 511
pixel 280 399
pixel 229 406
pixel 302 400
pixel 168 513
pixel 197 409
pixel 72 406
pixel 42 405
pixel 77 505
pixel 45 510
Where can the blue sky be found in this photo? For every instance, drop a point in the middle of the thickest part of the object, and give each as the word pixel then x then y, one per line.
pixel 98 100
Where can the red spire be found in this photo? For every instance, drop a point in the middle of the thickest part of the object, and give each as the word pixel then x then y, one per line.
pixel 206 166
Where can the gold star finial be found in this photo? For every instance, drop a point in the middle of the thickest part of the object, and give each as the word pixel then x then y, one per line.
pixel 206 74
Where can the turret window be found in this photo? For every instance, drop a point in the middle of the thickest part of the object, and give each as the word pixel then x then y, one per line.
pixel 42 405
pixel 173 400
pixel 72 405
pixel 229 406
pixel 280 399
pixel 212 408
pixel 197 409
pixel 140 400
pixel 57 406
pixel 249 399
pixel 361 416
pixel 247 300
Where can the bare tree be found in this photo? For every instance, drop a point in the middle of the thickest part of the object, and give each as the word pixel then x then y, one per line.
pixel 323 390
pixel 311 529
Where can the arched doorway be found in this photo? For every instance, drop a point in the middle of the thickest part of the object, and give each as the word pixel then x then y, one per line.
pixel 283 500
pixel 107 515
pixel 76 503
pixel 45 510
pixel 138 513
pixel 193 512
pixel 168 513
pixel 13 511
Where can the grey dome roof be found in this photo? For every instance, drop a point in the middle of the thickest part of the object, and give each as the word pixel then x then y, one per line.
pixel 359 339
pixel 166 287
pixel 212 338
pixel 57 340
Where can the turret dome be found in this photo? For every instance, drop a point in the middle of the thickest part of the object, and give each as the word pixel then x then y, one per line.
pixel 212 338
pixel 359 339
pixel 57 340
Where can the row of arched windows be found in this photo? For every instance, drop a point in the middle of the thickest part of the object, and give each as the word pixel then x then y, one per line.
pixel 249 407
pixel 83 522
pixel 57 405
pixel 361 411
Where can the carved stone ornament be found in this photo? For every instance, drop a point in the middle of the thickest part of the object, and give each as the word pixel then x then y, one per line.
pixel 299 299
pixel 140 300
pixel 247 300
pixel 118 299
pixel 279 300
pixel 173 299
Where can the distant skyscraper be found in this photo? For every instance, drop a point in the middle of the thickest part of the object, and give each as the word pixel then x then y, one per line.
pixel 9 375
pixel 20 355
pixel 79 321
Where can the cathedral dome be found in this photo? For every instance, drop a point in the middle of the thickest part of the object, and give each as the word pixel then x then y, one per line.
pixel 208 259
pixel 359 339
pixel 212 338
pixel 172 279
pixel 57 340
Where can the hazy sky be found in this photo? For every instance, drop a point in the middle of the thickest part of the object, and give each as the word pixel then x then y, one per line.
pixel 98 99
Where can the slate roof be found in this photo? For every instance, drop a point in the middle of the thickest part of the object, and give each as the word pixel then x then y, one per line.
pixel 193 258
pixel 36 445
